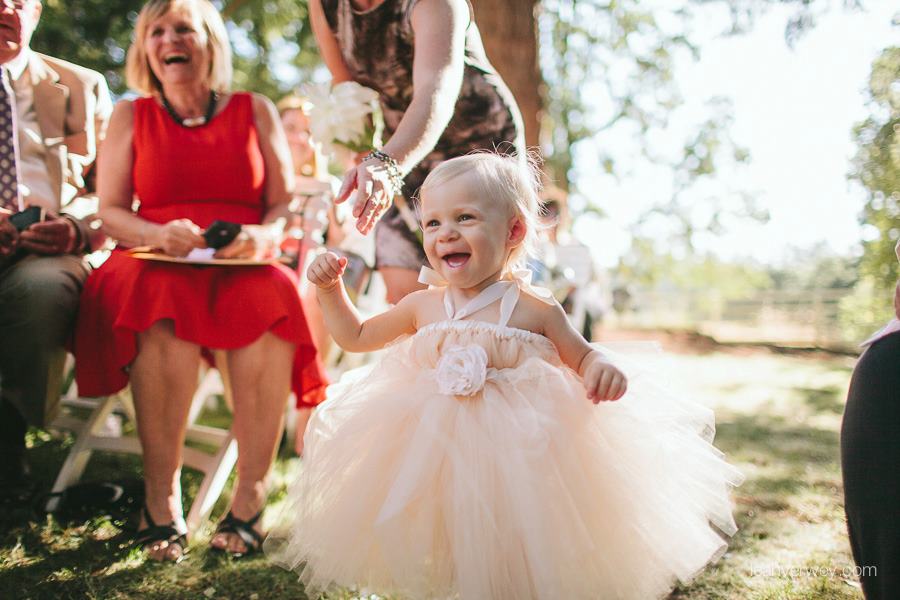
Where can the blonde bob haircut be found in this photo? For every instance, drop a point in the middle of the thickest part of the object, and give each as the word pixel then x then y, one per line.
pixel 138 74
pixel 512 181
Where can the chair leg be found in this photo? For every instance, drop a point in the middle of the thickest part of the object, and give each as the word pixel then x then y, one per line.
pixel 78 456
pixel 215 467
pixel 210 384
pixel 214 480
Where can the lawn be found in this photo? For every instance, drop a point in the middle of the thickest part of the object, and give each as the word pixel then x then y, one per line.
pixel 778 420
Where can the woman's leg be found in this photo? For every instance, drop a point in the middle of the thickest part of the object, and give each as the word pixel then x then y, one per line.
pixel 400 282
pixel 163 381
pixel 260 378
pixel 870 460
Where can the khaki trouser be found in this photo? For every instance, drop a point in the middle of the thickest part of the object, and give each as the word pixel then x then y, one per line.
pixel 38 305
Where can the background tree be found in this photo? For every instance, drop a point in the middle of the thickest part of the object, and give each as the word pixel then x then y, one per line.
pixel 608 64
pixel 877 168
pixel 509 31
pixel 92 33
pixel 273 45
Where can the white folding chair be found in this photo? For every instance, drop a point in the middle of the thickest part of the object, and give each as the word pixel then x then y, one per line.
pixel 216 466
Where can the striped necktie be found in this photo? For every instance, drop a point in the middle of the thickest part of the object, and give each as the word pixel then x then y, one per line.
pixel 9 181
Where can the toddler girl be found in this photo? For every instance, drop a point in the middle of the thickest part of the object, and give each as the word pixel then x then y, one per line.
pixel 470 461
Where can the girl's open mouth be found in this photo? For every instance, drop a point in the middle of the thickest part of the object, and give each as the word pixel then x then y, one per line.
pixel 456 259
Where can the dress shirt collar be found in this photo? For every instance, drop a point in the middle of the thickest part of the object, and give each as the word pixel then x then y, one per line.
pixel 18 65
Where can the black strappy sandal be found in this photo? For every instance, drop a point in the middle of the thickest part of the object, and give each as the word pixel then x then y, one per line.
pixel 160 533
pixel 244 530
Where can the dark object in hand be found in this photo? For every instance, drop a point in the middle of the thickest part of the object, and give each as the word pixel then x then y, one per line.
pixel 28 217
pixel 221 233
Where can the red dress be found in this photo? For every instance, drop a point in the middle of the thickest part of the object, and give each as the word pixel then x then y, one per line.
pixel 211 172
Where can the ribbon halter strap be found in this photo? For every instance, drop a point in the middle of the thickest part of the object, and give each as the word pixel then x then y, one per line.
pixel 521 278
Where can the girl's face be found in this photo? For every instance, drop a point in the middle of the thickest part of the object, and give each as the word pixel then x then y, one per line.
pixel 296 127
pixel 176 48
pixel 467 239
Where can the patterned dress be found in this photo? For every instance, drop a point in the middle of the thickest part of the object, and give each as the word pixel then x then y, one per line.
pixel 378 46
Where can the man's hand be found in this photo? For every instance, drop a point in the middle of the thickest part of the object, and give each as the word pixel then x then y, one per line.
pixel 51 237
pixel 602 380
pixel 9 235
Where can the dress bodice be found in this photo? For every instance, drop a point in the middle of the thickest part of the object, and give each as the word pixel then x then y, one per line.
pixel 214 171
pixel 504 347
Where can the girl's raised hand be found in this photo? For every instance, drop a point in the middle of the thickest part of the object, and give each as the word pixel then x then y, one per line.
pixel 602 380
pixel 326 270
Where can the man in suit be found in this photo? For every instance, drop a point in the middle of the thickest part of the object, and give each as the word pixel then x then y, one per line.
pixel 53 114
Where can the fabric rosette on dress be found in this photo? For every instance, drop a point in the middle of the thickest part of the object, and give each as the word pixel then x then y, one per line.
pixel 462 370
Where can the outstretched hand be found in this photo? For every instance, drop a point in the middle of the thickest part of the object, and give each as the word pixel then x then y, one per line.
pixel 326 270
pixel 375 192
pixel 602 379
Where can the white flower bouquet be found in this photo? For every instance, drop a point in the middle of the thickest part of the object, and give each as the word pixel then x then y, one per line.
pixel 347 114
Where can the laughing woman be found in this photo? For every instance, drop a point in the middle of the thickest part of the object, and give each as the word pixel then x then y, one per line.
pixel 191 152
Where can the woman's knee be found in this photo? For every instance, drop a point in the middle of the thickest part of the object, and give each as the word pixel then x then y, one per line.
pixel 266 353
pixel 160 339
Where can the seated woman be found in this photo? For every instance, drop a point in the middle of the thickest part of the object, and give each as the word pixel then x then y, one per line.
pixel 318 222
pixel 191 152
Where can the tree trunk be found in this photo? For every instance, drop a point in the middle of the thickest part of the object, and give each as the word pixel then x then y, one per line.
pixel 509 31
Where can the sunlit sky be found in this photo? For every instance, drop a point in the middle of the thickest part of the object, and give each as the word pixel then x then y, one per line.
pixel 794 109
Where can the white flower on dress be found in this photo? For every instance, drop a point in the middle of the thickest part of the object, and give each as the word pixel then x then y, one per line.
pixel 462 370
pixel 346 114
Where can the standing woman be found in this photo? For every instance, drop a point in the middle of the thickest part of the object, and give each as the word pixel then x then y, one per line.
pixel 870 462
pixel 440 96
pixel 191 152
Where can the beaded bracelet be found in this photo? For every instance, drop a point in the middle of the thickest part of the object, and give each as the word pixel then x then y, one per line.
pixel 392 167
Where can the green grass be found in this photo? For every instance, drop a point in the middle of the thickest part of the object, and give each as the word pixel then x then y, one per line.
pixel 778 420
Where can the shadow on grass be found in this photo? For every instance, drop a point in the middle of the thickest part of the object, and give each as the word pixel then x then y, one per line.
pixel 84 573
pixel 45 557
pixel 777 439
pixel 789 459
pixel 823 400
pixel 45 561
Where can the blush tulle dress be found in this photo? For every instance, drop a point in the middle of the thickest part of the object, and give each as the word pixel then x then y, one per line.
pixel 468 463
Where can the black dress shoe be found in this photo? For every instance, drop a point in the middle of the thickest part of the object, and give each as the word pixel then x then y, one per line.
pixel 16 483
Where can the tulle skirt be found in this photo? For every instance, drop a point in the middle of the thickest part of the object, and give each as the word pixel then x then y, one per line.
pixel 524 491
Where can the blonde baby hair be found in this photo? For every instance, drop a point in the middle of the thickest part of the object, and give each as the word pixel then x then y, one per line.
pixel 513 181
